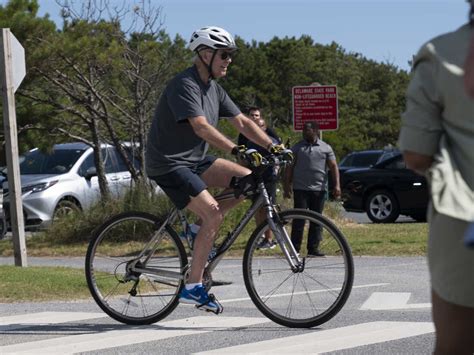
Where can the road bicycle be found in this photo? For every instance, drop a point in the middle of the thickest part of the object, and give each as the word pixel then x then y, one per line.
pixel 136 263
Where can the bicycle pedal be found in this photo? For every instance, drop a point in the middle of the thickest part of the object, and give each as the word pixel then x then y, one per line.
pixel 216 312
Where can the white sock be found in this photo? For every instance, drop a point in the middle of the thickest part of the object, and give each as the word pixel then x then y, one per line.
pixel 194 228
pixel 191 286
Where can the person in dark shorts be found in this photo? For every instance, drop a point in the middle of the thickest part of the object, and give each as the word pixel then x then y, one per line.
pixel 183 126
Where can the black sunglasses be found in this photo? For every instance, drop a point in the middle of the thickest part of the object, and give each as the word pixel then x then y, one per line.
pixel 226 55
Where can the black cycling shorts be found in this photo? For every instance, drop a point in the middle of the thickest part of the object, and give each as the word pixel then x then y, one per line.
pixel 180 184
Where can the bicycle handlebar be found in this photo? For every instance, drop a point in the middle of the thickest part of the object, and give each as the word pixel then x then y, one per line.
pixel 274 160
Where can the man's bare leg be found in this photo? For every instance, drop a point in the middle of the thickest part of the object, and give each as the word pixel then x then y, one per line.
pixel 210 212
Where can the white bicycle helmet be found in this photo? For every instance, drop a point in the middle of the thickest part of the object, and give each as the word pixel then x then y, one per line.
pixel 213 37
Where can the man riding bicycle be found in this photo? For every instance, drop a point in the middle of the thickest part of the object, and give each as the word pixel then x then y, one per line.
pixel 183 126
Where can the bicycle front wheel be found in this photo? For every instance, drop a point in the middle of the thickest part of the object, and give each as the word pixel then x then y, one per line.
pixel 306 297
pixel 132 280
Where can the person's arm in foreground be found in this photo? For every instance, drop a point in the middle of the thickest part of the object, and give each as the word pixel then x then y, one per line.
pixel 417 162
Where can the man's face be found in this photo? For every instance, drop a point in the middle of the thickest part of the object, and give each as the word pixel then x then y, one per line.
pixel 221 61
pixel 309 133
pixel 254 115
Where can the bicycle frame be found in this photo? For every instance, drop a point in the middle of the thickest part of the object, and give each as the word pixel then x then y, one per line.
pixel 262 199
pixel 281 235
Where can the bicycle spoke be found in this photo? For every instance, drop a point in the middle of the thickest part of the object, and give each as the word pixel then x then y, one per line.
pixel 309 297
pixel 295 281
pixel 272 292
pixel 121 263
pixel 329 289
pixel 291 302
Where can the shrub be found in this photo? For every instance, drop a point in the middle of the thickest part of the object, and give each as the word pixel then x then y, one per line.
pixel 78 226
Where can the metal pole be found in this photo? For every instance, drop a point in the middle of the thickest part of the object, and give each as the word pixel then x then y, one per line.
pixel 12 153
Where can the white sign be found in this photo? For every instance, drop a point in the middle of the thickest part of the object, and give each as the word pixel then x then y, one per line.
pixel 18 62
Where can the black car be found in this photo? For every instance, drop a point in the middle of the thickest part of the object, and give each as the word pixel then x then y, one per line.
pixel 361 159
pixel 386 190
pixel 365 158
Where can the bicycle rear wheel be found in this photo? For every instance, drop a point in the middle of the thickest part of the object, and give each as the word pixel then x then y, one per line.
pixel 304 298
pixel 126 295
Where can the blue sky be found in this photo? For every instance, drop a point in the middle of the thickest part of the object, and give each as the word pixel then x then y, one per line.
pixel 383 30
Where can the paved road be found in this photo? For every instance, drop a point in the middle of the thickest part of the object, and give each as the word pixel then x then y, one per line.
pixel 387 312
pixel 362 218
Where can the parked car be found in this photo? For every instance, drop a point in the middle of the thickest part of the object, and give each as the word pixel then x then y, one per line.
pixel 64 180
pixel 361 159
pixel 365 158
pixel 386 190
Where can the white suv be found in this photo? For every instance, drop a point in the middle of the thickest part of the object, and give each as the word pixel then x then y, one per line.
pixel 64 180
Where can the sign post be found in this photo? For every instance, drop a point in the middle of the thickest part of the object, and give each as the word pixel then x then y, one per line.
pixel 12 71
pixel 315 103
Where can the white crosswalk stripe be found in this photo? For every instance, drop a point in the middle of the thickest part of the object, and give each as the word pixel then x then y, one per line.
pixel 45 318
pixel 129 335
pixel 311 342
pixel 332 339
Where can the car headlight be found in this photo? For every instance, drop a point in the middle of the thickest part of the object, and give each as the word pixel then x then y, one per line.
pixel 38 187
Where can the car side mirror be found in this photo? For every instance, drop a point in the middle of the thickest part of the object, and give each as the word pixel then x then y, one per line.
pixel 91 172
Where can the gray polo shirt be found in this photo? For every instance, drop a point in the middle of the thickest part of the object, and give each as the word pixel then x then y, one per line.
pixel 309 170
pixel 172 143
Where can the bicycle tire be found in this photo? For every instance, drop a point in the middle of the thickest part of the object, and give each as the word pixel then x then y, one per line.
pixel 328 290
pixel 134 298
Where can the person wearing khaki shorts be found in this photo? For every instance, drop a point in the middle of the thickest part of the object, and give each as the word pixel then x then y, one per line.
pixel 437 140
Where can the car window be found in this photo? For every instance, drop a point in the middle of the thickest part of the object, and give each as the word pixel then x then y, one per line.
pixel 365 159
pixel 108 155
pixel 86 164
pixel 132 156
pixel 398 163
pixel 59 161
pixel 347 161
pixel 388 154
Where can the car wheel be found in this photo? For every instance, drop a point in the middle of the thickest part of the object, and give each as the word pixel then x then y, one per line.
pixel 65 208
pixel 382 207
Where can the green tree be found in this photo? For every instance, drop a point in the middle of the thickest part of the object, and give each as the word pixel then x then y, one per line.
pixel 21 16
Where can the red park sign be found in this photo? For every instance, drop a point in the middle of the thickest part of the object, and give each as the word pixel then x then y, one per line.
pixel 315 103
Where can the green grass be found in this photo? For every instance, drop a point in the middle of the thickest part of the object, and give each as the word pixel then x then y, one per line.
pixel 41 284
pixel 400 239
pixel 70 238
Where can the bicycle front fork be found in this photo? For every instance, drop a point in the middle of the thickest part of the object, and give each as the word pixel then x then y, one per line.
pixel 287 247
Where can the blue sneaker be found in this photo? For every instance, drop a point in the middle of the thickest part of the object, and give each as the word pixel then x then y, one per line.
pixel 199 297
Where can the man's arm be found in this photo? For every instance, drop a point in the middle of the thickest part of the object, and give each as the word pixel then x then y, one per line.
pixel 250 130
pixel 334 169
pixel 211 135
pixel 419 163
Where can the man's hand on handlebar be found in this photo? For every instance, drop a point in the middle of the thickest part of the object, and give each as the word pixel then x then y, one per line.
pixel 251 156
pixel 279 149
